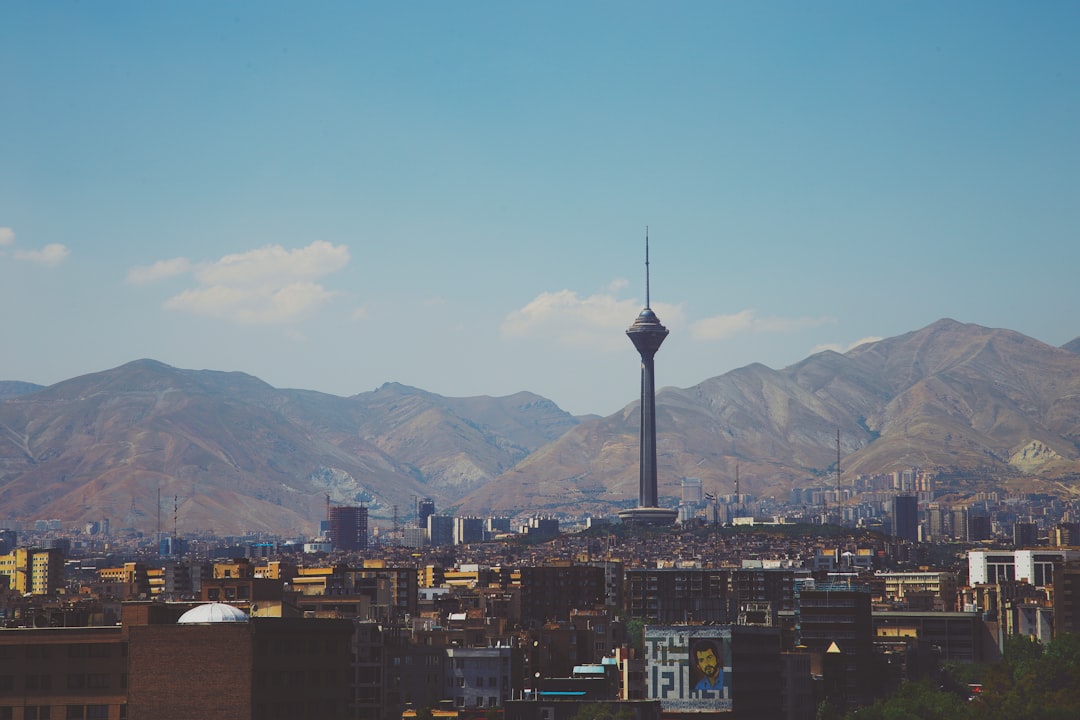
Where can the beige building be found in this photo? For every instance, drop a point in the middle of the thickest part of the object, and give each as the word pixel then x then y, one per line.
pixel 33 570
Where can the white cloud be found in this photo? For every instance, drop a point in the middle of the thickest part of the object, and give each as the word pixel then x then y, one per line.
pixel 7 236
pixel 722 327
pixel 359 313
pixel 840 348
pixel 262 305
pixel 274 265
pixel 162 269
pixel 268 285
pixel 597 321
pixel 51 255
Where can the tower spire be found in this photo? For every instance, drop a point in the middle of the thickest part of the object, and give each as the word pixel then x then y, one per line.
pixel 647 304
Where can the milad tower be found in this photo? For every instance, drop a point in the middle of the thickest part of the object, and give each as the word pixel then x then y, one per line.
pixel 647 334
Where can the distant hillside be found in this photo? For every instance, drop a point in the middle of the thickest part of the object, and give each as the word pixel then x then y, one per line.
pixel 958 398
pixel 1072 346
pixel 238 454
pixel 14 388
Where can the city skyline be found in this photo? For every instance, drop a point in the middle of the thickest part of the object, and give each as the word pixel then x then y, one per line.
pixel 328 197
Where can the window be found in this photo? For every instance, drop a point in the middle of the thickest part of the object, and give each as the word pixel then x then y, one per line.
pixel 7 713
pixel 7 682
pixel 39 682
pixel 97 681
pixel 97 712
pixel 76 681
pixel 74 712
pixel 76 651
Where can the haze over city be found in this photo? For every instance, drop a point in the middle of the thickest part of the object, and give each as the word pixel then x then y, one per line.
pixel 455 197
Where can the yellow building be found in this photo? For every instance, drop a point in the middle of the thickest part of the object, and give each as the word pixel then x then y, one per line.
pixel 130 581
pixel 33 570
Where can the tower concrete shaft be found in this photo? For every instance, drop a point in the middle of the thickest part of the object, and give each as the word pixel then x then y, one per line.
pixel 647 334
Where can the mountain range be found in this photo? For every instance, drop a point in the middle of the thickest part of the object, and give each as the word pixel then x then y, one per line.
pixel 152 446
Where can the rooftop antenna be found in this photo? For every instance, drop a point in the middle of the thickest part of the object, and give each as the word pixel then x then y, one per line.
pixel 838 464
pixel 647 266
pixel 738 497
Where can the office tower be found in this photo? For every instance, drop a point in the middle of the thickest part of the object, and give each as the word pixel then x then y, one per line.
pixel 425 509
pixel 468 530
pixel 691 490
pixel 647 334
pixel 1025 534
pixel 348 527
pixel 906 517
pixel 440 529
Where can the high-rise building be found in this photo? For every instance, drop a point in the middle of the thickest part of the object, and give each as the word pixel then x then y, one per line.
pixel 647 334
pixel 33 571
pixel 440 529
pixel 424 509
pixel 1025 534
pixel 349 527
pixel 906 517
pixel 468 530
pixel 691 490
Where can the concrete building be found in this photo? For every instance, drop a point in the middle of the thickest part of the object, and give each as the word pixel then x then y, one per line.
pixel 899 585
pixel 550 592
pixel 349 527
pixel 1033 566
pixel 468 530
pixel 478 677
pixel 440 529
pixel 906 517
pixel 59 673
pixel 215 663
pixel 834 621
pixel 33 571
pixel 677 595
pixel 1067 597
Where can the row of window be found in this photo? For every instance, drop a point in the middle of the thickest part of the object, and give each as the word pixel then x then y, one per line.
pixel 492 681
pixel 74 650
pixel 491 701
pixel 71 712
pixel 75 681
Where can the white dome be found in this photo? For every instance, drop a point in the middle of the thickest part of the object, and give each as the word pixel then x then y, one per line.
pixel 213 613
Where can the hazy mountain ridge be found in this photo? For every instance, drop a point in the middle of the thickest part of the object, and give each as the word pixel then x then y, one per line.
pixel 15 388
pixel 238 454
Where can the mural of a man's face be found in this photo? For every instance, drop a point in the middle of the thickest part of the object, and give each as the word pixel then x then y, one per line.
pixel 707 662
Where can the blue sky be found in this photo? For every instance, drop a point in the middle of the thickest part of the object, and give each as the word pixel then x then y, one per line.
pixel 454 195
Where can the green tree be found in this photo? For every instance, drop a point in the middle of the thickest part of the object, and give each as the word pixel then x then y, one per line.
pixel 604 711
pixel 915 701
pixel 1033 683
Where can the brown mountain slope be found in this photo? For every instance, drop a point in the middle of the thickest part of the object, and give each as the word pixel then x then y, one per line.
pixel 240 455
pixel 950 397
pixel 14 388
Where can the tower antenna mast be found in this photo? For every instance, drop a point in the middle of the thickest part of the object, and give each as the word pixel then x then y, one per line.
pixel 647 304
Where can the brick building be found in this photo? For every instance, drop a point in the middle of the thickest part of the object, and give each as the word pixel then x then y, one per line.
pixel 231 667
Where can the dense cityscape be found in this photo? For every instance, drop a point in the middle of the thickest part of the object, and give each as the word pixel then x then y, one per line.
pixel 813 606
